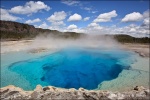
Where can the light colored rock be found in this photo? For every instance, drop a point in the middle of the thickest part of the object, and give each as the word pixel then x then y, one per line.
pixel 81 89
pixel 139 88
pixel 120 96
pixel 50 93
pixel 38 88
pixel 72 90
pixel 112 96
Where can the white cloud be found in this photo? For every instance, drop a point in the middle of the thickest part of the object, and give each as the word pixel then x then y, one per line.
pixel 94 26
pixel 86 18
pixel 87 8
pixel 58 23
pixel 106 17
pixel 57 20
pixel 132 17
pixel 33 21
pixel 30 7
pixel 5 15
pixel 146 21
pixel 43 25
pixel 75 17
pixel 70 2
pixel 71 27
pixel 59 28
pixel 57 16
pixel 132 30
pixel 94 12
pixel 146 14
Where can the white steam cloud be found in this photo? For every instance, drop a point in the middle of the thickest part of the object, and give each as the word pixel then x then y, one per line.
pixel 55 43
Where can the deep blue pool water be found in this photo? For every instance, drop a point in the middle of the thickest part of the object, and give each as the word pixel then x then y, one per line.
pixel 73 68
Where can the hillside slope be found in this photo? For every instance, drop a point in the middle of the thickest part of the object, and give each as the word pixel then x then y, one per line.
pixel 14 30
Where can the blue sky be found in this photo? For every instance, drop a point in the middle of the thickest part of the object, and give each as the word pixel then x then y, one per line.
pixel 99 17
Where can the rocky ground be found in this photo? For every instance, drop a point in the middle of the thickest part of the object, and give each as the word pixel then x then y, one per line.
pixel 47 93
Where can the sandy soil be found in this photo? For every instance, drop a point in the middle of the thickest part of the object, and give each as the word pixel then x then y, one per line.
pixel 9 46
pixel 141 49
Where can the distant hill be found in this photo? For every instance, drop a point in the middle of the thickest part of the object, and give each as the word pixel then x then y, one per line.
pixel 14 31
pixel 129 39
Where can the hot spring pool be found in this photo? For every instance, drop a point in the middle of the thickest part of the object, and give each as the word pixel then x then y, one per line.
pixel 71 68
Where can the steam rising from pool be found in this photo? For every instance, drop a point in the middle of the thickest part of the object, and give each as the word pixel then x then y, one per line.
pixel 56 43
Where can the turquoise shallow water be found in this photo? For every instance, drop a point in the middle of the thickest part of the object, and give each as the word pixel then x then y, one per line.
pixel 69 68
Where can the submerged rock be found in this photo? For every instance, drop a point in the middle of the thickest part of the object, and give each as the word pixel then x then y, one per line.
pixel 38 50
pixel 50 92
